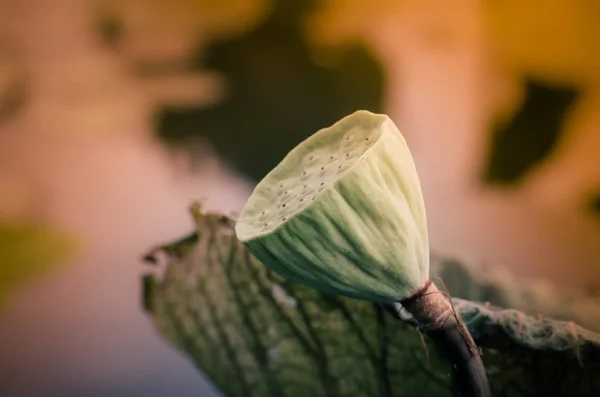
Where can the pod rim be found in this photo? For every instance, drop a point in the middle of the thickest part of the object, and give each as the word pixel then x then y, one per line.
pixel 365 118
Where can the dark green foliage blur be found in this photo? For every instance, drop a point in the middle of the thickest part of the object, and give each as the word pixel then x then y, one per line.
pixel 278 93
pixel 28 250
pixel 595 203
pixel 529 135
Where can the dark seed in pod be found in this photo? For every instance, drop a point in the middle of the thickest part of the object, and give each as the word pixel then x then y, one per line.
pixel 285 192
pixel 331 158
pixel 284 219
pixel 322 183
pixel 322 168
pixel 311 157
pixel 366 139
pixel 266 224
pixel 304 173
pixel 301 199
pixel 284 205
pixel 347 154
pixel 305 186
pixel 313 198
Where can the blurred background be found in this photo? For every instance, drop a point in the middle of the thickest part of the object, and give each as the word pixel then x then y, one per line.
pixel 115 115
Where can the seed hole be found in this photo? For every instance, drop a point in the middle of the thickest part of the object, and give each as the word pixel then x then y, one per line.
pixel 305 186
pixel 331 158
pixel 366 139
pixel 285 192
pixel 266 224
pixel 311 157
pixel 322 168
pixel 284 205
pixel 304 173
pixel 347 154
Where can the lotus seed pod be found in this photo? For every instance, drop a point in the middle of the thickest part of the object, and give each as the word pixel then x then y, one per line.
pixel 343 213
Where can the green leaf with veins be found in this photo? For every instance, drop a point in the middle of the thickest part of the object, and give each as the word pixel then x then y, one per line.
pixel 255 334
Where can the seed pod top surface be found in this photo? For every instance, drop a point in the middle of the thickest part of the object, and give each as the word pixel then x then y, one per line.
pixel 343 213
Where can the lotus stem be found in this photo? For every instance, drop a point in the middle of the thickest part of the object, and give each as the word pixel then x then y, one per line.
pixel 433 313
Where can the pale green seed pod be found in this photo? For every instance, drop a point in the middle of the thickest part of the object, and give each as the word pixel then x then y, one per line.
pixel 343 213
